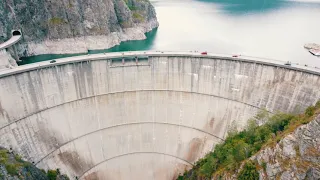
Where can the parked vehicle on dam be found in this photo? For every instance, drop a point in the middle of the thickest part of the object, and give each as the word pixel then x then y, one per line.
pixel 204 53
pixel 288 63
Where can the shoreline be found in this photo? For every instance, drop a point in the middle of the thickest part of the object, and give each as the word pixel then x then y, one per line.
pixel 84 44
pixel 313 48
pixel 310 46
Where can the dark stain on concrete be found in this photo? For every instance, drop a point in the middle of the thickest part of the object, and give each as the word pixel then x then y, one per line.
pixel 211 122
pixel 45 136
pixel 194 150
pixel 170 171
pixel 159 173
pixel 20 92
pixel 92 176
pixel 210 126
pixel 70 159
pixel 74 161
pixel 219 126
pixel 180 169
pixel 3 112
pixel 57 71
pixel 32 92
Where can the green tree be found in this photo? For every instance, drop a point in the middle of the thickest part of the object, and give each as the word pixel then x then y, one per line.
pixel 12 169
pixel 310 111
pixel 208 167
pixel 241 151
pixel 232 131
pixel 279 121
pixel 252 125
pixel 262 116
pixel 52 174
pixel 248 172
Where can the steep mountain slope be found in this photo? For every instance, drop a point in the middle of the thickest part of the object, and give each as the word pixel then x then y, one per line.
pixel 296 156
pixel 286 147
pixel 73 26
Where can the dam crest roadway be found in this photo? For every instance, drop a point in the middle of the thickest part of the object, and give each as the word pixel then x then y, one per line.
pixel 140 115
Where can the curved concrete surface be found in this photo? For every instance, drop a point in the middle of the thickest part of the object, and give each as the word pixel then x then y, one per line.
pixel 111 116
pixel 13 40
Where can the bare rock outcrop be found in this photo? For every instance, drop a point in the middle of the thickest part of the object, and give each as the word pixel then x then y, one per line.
pixel 74 26
pixel 296 156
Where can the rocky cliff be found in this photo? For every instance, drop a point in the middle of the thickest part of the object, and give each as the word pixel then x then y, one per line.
pixel 296 156
pixel 74 26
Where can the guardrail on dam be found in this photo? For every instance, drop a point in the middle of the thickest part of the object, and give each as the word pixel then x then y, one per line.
pixel 101 117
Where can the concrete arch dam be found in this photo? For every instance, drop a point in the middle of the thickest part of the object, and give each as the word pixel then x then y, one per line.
pixel 108 117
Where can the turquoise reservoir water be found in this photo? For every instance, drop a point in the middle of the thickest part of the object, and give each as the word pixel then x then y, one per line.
pixel 124 46
pixel 275 29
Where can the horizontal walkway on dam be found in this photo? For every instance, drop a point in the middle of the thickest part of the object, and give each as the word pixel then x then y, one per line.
pixel 143 54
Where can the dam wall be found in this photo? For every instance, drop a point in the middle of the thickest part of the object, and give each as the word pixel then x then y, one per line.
pixel 111 116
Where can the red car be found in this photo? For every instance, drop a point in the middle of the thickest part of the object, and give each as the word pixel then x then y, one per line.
pixel 204 53
pixel 234 55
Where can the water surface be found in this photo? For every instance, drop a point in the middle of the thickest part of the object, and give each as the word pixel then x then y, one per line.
pixel 275 29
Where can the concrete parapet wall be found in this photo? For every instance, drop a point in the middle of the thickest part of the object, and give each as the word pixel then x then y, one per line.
pixel 93 119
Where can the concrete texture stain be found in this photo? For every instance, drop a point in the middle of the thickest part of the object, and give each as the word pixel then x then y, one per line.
pixel 170 171
pixel 3 112
pixel 45 136
pixel 195 148
pixel 74 161
pixel 179 169
pixel 211 122
pixel 92 176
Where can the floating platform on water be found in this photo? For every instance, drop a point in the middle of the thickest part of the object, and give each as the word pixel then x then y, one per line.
pixel 315 52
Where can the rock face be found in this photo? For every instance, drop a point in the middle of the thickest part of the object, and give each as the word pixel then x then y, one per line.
pixel 73 26
pixel 6 60
pixel 297 156
pixel 12 167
